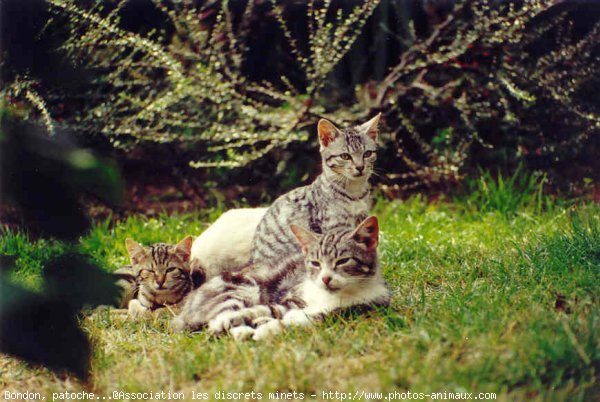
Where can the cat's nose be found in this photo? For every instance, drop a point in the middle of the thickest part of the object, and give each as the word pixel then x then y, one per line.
pixel 326 280
pixel 360 169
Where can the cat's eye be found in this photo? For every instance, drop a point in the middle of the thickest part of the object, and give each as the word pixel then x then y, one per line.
pixel 345 157
pixel 367 154
pixel 170 269
pixel 315 264
pixel 341 261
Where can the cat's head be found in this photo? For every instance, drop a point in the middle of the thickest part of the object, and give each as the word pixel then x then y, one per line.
pixel 340 259
pixel 161 267
pixel 349 152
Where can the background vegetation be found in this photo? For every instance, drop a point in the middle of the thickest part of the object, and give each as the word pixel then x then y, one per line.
pixel 189 85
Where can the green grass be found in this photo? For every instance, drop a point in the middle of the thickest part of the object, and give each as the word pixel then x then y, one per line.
pixel 484 301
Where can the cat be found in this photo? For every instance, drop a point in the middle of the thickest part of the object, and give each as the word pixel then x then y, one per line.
pixel 339 196
pixel 340 269
pixel 225 245
pixel 159 275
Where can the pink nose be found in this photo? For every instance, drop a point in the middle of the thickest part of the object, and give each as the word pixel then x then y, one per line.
pixel 326 279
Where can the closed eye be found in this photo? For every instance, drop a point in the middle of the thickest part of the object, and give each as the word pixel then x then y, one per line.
pixel 345 157
pixel 315 264
pixel 342 261
pixel 170 269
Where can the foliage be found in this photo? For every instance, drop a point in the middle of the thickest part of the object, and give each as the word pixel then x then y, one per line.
pixel 189 88
pixel 44 175
pixel 478 83
pixel 499 75
pixel 506 195
pixel 481 304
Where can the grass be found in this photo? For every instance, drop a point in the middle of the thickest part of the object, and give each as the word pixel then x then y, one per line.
pixel 484 302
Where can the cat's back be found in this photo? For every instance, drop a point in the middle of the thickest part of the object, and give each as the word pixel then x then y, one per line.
pixel 226 244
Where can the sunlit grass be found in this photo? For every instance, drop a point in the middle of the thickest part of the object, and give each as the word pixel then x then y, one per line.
pixel 483 302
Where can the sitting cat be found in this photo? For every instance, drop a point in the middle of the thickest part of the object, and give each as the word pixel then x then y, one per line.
pixel 340 269
pixel 339 196
pixel 159 275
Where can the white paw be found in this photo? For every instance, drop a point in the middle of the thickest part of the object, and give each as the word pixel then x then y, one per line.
pixel 296 317
pixel 267 330
pixel 224 321
pixel 136 310
pixel 242 333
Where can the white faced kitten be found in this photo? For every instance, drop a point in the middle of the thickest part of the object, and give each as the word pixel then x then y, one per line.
pixel 339 197
pixel 340 269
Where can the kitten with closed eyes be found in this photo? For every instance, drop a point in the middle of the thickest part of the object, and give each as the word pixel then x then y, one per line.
pixel 159 275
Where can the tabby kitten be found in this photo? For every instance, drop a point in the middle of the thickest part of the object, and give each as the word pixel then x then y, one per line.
pixel 159 275
pixel 340 269
pixel 340 195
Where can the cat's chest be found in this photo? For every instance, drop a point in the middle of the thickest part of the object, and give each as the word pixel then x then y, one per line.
pixel 319 300
pixel 352 212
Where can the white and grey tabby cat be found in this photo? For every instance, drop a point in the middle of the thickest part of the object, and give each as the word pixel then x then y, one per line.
pixel 159 275
pixel 339 196
pixel 340 269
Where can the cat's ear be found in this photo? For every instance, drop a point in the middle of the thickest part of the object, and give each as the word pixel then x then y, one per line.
pixel 367 233
pixel 183 249
pixel 305 237
pixel 135 251
pixel 327 132
pixel 371 128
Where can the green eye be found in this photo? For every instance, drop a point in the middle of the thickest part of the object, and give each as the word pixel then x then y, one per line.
pixel 315 264
pixel 345 157
pixel 342 261
pixel 367 154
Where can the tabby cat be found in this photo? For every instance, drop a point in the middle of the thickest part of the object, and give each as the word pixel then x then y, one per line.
pixel 339 196
pixel 340 269
pixel 159 275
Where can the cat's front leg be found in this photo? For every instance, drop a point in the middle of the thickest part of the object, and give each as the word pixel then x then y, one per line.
pixel 242 332
pixel 135 309
pixel 295 317
pixel 235 318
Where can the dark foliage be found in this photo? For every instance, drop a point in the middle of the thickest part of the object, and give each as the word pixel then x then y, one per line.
pixel 44 176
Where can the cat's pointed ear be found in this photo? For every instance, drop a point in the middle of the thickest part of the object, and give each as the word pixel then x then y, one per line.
pixel 327 132
pixel 367 233
pixel 135 251
pixel 371 128
pixel 183 249
pixel 305 237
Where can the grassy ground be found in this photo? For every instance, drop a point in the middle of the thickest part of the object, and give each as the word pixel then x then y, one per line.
pixel 484 302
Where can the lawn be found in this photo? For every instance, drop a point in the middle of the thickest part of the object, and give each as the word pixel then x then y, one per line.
pixel 485 301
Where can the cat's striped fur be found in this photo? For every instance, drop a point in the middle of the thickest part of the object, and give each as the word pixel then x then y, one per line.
pixel 339 269
pixel 339 197
pixel 159 275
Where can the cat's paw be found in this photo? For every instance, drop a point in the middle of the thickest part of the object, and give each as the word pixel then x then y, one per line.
pixel 242 333
pixel 136 310
pixel 224 321
pixel 267 330
pixel 178 324
pixel 296 317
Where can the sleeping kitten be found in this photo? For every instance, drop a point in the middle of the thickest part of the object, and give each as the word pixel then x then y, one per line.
pixel 339 196
pixel 340 269
pixel 159 275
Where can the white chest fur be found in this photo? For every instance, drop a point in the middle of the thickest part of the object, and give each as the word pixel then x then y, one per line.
pixel 320 300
